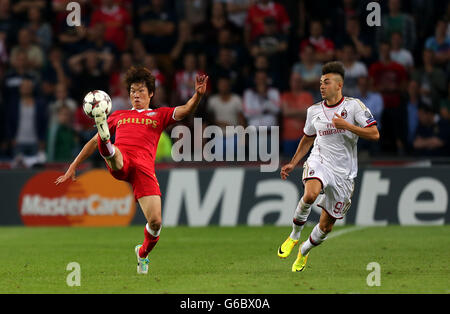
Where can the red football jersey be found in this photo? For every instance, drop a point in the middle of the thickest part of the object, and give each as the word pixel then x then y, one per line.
pixel 139 131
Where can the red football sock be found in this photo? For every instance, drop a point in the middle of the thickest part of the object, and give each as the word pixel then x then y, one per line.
pixel 148 245
pixel 106 149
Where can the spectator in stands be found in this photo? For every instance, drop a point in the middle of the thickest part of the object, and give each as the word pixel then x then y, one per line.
pixel 261 104
pixel 225 109
pixel 324 48
pixel 117 76
pixel 158 32
pixel 440 43
pixel 226 66
pixel 254 24
pixel 34 53
pixel 151 63
pixel 273 45
pixel 117 23
pixel 90 70
pixel 72 39
pixel 185 42
pixel 61 139
pixel 310 70
pixel 41 31
pixel 20 7
pixel 237 11
pixel 294 104
pixel 19 70
pixel 95 40
pixel 61 99
pixel 412 112
pixel 193 12
pixel 27 121
pixel 432 135
pixel 185 79
pixel 121 100
pixel 445 105
pixel 432 80
pixel 138 50
pixel 8 24
pixel 354 69
pixel 397 21
pixel 353 35
pixel 390 79
pixel 53 73
pixel 399 54
pixel 374 101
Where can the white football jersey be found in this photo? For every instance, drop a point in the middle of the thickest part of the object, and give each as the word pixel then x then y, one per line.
pixel 337 149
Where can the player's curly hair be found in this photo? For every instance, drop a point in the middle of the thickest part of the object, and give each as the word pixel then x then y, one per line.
pixel 140 74
pixel 334 67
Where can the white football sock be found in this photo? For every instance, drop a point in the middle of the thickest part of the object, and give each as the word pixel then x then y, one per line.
pixel 316 237
pixel 300 216
pixel 152 232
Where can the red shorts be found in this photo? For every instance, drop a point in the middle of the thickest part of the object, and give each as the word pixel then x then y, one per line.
pixel 138 171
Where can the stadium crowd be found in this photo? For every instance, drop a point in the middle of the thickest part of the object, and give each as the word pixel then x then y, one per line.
pixel 263 58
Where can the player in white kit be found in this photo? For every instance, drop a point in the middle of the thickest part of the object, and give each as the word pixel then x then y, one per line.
pixel 333 126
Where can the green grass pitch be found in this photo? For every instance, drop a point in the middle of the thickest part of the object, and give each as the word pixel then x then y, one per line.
pixel 231 260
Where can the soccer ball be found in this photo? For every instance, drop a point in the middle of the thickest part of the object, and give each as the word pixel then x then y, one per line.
pixel 96 98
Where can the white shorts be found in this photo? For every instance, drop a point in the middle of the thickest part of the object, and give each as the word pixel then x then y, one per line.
pixel 337 191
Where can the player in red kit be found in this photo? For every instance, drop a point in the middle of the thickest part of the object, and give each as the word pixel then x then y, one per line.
pixel 132 156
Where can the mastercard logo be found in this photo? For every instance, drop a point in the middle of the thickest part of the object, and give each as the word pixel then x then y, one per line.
pixel 94 199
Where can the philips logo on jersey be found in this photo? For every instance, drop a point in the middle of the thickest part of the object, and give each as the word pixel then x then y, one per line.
pixel 143 121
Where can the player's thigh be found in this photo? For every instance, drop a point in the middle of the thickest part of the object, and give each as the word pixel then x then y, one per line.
pixel 151 207
pixel 326 221
pixel 115 162
pixel 312 190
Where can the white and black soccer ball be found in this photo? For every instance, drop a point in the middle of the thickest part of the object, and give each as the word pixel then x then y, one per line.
pixel 96 98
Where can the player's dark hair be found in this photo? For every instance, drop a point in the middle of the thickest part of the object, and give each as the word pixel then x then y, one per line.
pixel 334 67
pixel 140 74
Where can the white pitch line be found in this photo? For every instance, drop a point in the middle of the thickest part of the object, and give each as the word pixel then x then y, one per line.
pixel 344 231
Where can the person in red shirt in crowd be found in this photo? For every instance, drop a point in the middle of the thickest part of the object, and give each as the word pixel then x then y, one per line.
pixel 132 156
pixel 294 104
pixel 325 48
pixel 117 20
pixel 390 79
pixel 254 24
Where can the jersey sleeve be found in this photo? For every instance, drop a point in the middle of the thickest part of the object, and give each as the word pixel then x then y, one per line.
pixel 167 116
pixel 363 116
pixel 309 129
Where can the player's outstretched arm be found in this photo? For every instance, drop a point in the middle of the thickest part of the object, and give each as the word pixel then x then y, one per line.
pixel 87 151
pixel 303 148
pixel 181 112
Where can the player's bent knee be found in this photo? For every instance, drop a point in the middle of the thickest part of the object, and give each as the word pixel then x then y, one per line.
pixel 155 224
pixel 310 197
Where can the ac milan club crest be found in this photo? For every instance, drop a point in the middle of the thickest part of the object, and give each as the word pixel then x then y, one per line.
pixel 311 173
pixel 344 114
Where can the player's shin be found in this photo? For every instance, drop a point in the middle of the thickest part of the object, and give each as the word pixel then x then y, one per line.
pixel 316 237
pixel 151 237
pixel 300 216
pixel 106 148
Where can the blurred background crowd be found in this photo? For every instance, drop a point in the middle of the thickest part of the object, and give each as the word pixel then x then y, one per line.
pixel 263 58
